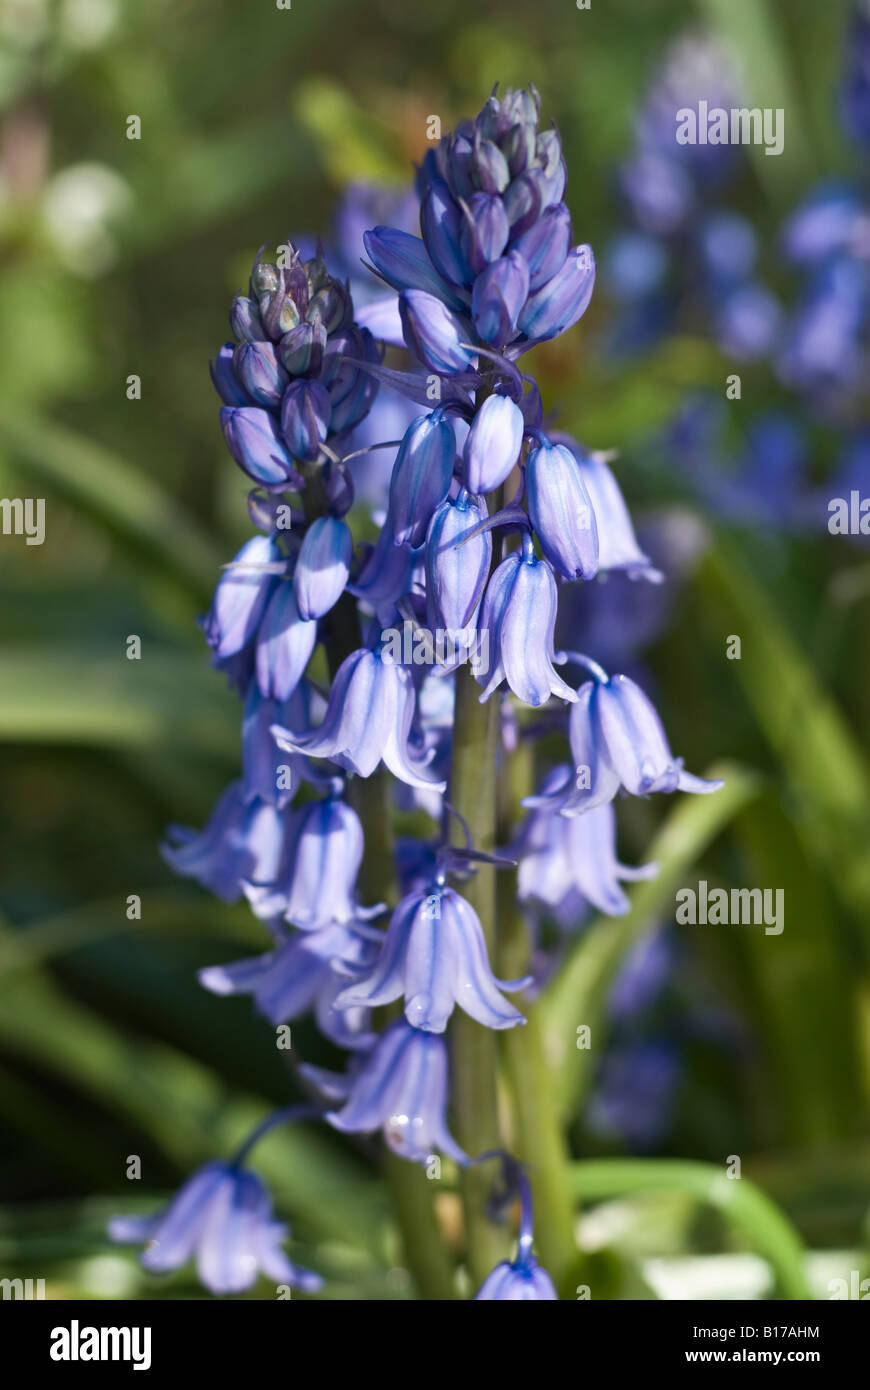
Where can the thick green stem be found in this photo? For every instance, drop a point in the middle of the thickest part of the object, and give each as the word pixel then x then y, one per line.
pixel 475 1109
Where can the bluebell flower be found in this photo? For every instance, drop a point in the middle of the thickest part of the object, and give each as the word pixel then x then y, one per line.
pixel 314 883
pixel 223 1218
pixel 561 511
pixel 633 1092
pixel 616 542
pixel 434 954
pixel 401 1088
pixel 567 863
pixel 285 641
pixel 855 88
pixel 519 616
pixel 243 840
pixel 455 572
pixel 267 773
pixel 617 740
pixel 241 596
pixel 421 476
pixel 829 222
pixel 300 974
pixel 434 332
pixel 492 446
pixel 368 719
pixel 523 1279
pixel 322 566
pixel 387 573
pixel 254 440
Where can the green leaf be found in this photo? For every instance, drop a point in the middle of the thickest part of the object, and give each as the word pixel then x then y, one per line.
pixel 749 1210
pixel 577 994
pixel 119 496
pixel 67 694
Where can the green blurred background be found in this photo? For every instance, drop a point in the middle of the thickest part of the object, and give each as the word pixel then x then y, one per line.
pixel 120 257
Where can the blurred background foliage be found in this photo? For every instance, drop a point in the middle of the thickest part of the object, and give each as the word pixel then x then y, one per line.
pixel 121 256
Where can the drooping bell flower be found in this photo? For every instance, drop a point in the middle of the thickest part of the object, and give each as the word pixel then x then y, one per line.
pixel 519 616
pixel 305 415
pixel 242 840
pixel 567 863
pixel 434 954
pixel 299 976
pixel 267 773
pixel 322 566
pixel 222 1217
pixel 617 740
pixel 401 1088
pixel 456 568
pixel 368 719
pixel 314 885
pixel 421 476
pixel 241 596
pixel 522 1279
pixel 285 641
pixel 617 544
pixel 492 446
pixel 561 511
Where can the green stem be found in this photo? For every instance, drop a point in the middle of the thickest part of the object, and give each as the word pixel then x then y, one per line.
pixel 474 1097
pixel 538 1139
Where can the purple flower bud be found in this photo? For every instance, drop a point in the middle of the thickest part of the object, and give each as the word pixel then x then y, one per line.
pixel 332 307
pixel 240 598
pixel 456 574
pixel 421 476
pixel 545 246
pixel 519 613
pixel 485 231
pixel 285 642
pixel 434 954
pixel 523 202
pixel 492 446
pixel 261 374
pixel 245 320
pixel 441 224
pixel 226 383
pixel 402 1089
pixel 223 1216
pixel 255 444
pixel 301 350
pixel 404 263
pixel 561 511
pixel 434 332
pixel 322 566
pixel 561 302
pixel 490 167
pixel 498 297
pixel 305 416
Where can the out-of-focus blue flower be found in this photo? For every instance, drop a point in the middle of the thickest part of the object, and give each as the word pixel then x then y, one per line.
pixel 223 1218
pixel 242 840
pixel 823 347
pixel 855 90
pixel 569 862
pixel 401 1088
pixel 434 954
pixel 634 1090
pixel 299 974
pixel 519 616
pixel 368 718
